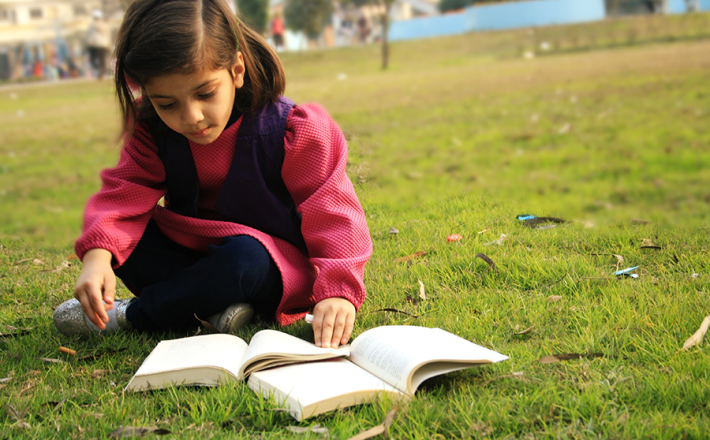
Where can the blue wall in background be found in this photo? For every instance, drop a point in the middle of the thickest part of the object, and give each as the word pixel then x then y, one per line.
pixel 534 13
pixel 428 27
pixel 679 6
pixel 675 6
pixel 502 16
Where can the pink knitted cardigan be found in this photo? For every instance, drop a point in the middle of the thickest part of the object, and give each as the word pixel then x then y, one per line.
pixel 333 224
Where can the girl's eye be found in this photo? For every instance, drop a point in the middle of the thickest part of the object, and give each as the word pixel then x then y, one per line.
pixel 206 95
pixel 166 106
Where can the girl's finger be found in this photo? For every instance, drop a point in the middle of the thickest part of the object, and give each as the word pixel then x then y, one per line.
pixel 338 327
pixel 95 298
pixel 327 329
pixel 317 324
pixel 348 330
pixel 83 298
pixel 109 291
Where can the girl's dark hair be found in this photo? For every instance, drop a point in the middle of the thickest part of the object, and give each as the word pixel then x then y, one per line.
pixel 164 37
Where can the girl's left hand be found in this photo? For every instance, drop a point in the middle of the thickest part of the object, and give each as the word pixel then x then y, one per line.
pixel 333 320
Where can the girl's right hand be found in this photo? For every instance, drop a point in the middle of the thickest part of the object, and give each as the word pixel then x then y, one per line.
pixel 96 285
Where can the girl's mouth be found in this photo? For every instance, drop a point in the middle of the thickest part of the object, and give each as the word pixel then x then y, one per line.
pixel 201 133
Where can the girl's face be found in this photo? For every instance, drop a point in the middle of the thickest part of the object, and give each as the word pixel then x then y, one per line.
pixel 198 105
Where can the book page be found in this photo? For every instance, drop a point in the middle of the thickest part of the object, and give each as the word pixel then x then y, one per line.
pixel 272 347
pixel 317 387
pixel 217 350
pixel 395 353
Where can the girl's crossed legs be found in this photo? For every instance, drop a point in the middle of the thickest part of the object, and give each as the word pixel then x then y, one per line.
pixel 176 283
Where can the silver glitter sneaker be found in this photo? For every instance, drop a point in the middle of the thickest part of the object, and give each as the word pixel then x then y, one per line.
pixel 232 318
pixel 70 320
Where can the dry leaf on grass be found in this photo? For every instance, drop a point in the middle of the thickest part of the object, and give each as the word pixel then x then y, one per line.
pixel 389 309
pixel 698 336
pixel 54 404
pixel 137 431
pixel 5 379
pixel 17 416
pixel 523 332
pixel 65 264
pixel 98 373
pixel 379 429
pixel 487 259
pixel 50 360
pixel 372 432
pixel 15 332
pixel 619 258
pixel 554 358
pixel 409 257
pixel 422 291
pixel 393 231
pixel 554 298
pixel 640 221
pixel 207 325
pixel 317 429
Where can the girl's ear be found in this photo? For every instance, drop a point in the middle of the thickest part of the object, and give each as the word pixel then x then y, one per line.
pixel 238 71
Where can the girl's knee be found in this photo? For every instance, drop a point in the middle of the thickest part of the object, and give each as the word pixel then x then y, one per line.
pixel 243 250
pixel 245 261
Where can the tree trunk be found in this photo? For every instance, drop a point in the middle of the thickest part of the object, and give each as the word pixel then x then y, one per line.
pixel 385 38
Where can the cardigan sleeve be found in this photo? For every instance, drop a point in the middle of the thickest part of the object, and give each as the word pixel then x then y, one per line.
pixel 116 217
pixel 333 221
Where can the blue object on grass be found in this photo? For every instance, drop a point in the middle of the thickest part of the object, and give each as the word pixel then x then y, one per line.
pixel 523 217
pixel 626 271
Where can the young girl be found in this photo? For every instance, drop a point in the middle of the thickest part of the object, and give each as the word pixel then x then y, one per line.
pixel 227 198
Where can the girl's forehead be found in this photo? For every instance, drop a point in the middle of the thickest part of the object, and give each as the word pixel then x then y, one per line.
pixel 186 81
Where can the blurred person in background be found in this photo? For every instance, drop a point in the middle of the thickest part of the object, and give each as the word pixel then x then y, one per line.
pixel 278 29
pixel 98 42
pixel 363 28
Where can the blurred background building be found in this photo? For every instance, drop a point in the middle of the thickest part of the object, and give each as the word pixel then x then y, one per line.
pixel 44 39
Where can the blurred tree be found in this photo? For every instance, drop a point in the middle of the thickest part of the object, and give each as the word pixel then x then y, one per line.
pixel 385 7
pixel 256 12
pixel 453 5
pixel 308 16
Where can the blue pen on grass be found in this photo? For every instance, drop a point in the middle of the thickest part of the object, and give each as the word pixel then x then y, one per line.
pixel 523 217
pixel 627 272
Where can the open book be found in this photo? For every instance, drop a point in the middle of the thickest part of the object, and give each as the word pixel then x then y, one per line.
pixel 390 360
pixel 210 360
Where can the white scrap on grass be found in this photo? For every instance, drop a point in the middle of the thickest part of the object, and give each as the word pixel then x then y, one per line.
pixel 535 117
pixel 13 96
pixel 342 76
pixel 499 241
pixel 565 128
pixel 528 55
pixel 20 113
pixel 545 45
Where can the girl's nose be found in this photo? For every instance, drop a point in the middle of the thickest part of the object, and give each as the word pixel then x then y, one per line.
pixel 192 114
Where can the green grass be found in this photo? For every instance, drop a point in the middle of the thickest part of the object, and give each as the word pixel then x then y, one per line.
pixel 459 136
